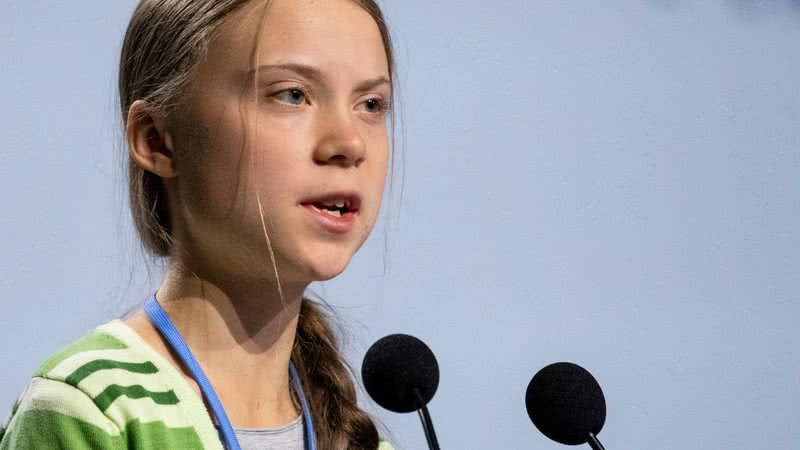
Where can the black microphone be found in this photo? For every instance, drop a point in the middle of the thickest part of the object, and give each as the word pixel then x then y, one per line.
pixel 401 374
pixel 567 405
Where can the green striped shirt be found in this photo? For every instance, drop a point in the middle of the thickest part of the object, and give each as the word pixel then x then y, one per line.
pixel 110 390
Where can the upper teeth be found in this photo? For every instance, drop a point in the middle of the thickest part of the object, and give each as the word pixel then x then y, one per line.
pixel 339 203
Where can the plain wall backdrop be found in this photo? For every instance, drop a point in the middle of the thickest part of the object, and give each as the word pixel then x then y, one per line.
pixel 610 183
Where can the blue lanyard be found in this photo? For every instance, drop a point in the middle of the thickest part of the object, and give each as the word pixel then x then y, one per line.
pixel 161 321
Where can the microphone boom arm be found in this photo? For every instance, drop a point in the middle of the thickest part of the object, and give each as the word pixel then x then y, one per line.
pixel 427 423
pixel 595 443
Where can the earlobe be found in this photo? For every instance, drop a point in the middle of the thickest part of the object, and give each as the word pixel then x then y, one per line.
pixel 149 143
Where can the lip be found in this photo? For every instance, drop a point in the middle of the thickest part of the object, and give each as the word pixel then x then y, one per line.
pixel 338 225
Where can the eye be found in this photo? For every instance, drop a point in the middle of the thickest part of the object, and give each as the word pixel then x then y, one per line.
pixel 376 105
pixel 292 96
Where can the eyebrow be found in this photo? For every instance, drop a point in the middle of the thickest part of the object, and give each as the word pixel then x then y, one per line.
pixel 315 74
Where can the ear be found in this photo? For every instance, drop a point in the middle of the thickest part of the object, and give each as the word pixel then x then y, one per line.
pixel 149 142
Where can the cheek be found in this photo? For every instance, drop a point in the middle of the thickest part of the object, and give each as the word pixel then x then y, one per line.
pixel 381 157
pixel 211 171
pixel 225 171
pixel 377 177
pixel 380 177
pixel 275 163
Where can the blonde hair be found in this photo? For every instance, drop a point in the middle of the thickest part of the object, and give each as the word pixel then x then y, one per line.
pixel 163 44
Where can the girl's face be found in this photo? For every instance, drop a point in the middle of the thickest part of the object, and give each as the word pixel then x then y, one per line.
pixel 291 112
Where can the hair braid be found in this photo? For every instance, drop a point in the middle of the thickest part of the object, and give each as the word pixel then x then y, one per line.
pixel 328 379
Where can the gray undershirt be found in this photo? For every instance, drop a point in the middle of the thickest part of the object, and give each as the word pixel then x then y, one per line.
pixel 288 437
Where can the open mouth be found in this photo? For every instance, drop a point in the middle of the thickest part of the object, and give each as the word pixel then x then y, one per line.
pixel 338 209
pixel 335 205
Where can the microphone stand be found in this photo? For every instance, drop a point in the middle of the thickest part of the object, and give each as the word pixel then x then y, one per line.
pixel 595 443
pixel 427 423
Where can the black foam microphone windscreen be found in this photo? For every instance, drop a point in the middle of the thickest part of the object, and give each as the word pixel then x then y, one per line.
pixel 566 403
pixel 397 365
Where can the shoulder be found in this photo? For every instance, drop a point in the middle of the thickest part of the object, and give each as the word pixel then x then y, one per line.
pixel 51 414
pixel 108 368
pixel 53 409
pixel 385 446
pixel 109 388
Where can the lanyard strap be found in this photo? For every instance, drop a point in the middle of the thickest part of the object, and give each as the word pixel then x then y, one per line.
pixel 161 320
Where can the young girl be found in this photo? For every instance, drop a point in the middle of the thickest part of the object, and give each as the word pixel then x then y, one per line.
pixel 258 151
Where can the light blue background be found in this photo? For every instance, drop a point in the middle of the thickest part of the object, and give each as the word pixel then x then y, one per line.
pixel 611 183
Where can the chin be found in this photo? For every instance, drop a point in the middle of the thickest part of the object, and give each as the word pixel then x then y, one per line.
pixel 326 271
pixel 324 264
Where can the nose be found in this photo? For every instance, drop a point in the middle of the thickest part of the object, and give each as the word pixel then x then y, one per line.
pixel 340 142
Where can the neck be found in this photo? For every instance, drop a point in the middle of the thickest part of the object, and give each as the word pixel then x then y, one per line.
pixel 242 333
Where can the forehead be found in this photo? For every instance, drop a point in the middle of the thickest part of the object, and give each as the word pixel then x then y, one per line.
pixel 337 36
